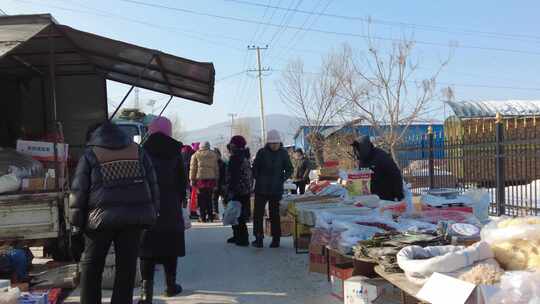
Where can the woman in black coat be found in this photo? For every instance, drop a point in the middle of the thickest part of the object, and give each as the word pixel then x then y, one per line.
pixel 164 243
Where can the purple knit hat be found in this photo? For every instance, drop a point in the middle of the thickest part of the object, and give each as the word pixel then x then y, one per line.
pixel 160 125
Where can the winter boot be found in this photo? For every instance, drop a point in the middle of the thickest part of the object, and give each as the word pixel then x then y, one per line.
pixel 173 289
pixel 258 243
pixel 275 243
pixel 233 239
pixel 147 292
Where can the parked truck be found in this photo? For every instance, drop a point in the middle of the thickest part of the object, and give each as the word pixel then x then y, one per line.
pixel 53 83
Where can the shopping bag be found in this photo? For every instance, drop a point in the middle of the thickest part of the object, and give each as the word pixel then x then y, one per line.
pixel 187 220
pixel 232 213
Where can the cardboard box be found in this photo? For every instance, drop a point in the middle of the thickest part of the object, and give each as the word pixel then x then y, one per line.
pixel 38 184
pixel 317 259
pixel 441 289
pixel 43 151
pixel 287 226
pixel 365 269
pixel 336 257
pixel 363 290
pixel 303 242
pixel 338 274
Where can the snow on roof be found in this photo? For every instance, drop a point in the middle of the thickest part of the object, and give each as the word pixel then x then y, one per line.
pixel 469 109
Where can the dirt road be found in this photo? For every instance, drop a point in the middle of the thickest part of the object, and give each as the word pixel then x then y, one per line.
pixel 215 272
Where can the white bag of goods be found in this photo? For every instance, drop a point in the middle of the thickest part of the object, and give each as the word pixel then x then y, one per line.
pixel 9 183
pixel 333 190
pixel 420 263
pixel 306 213
pixel 232 212
pixel 10 297
pixel 412 225
pixel 518 287
pixel 187 220
pixel 323 218
pixel 479 200
pixel 515 242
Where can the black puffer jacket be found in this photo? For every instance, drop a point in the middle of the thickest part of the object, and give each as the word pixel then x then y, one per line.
pixel 115 184
pixel 166 238
pixel 239 174
pixel 270 170
pixel 386 181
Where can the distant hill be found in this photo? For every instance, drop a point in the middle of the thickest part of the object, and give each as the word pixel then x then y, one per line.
pixel 220 133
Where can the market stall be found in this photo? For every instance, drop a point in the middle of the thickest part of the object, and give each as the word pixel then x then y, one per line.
pixel 53 80
pixel 424 249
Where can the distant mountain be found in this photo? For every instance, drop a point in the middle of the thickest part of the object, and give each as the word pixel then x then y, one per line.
pixel 220 133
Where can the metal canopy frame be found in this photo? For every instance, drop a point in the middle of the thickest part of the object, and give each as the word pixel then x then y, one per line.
pixel 26 43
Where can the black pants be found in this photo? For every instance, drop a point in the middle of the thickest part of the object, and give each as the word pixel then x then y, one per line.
pixel 205 204
pixel 126 248
pixel 258 217
pixel 241 229
pixel 215 201
pixel 300 187
pixel 148 266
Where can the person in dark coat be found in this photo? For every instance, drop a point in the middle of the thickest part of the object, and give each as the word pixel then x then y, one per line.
pixel 114 197
pixel 164 243
pixel 386 181
pixel 239 187
pixel 219 191
pixel 271 168
pixel 300 175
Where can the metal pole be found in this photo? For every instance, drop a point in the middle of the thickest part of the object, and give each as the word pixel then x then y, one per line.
pixel 122 102
pixel 431 158
pixel 259 75
pixel 499 165
pixel 165 107
pixel 232 115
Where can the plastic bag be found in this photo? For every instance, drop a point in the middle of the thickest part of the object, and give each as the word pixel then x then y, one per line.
pixel 10 297
pixel 187 220
pixel 9 183
pixel 420 263
pixel 479 201
pixel 232 213
pixel 515 241
pixel 518 287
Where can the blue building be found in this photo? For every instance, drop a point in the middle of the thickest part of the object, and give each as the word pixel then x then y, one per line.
pixel 414 130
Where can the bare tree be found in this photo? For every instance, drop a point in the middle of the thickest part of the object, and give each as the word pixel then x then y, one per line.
pixel 313 98
pixel 384 90
pixel 177 128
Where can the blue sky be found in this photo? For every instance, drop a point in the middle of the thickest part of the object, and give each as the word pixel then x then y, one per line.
pixel 504 65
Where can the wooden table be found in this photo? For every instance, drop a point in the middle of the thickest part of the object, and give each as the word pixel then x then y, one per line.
pixel 408 289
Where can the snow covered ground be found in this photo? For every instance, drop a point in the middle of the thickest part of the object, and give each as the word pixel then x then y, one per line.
pixel 215 272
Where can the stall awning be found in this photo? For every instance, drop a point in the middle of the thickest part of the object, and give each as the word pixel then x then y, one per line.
pixel 116 60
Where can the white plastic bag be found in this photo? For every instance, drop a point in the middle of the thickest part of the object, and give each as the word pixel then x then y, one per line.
pixel 515 242
pixel 232 213
pixel 518 287
pixel 187 220
pixel 420 263
pixel 479 201
pixel 9 183
pixel 10 297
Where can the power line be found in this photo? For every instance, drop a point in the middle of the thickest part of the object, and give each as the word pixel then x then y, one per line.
pixel 2 12
pixel 487 86
pixel 231 76
pixel 329 32
pixel 285 22
pixel 415 26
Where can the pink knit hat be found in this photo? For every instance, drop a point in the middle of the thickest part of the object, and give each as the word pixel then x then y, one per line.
pixel 161 125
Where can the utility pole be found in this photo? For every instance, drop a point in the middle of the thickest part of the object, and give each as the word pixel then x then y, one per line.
pixel 136 101
pixel 232 115
pixel 259 71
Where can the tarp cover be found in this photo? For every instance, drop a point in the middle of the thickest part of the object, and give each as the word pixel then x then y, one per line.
pixel 116 60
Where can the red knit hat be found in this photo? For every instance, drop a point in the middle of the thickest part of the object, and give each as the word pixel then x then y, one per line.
pixel 239 141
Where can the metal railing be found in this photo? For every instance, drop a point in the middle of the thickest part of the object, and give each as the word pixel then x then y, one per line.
pixel 501 156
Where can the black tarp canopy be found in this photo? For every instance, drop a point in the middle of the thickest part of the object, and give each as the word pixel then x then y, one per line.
pixel 27 41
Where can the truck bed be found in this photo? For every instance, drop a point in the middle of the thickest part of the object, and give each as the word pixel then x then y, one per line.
pixel 26 217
